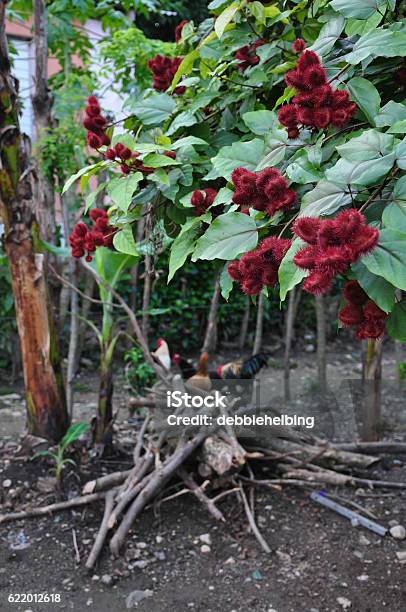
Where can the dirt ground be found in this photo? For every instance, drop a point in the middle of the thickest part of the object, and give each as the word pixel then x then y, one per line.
pixel 318 561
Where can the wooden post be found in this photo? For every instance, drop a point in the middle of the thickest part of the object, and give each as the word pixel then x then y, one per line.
pixel 47 414
pixel 259 325
pixel 321 343
pixel 210 339
pixel 372 382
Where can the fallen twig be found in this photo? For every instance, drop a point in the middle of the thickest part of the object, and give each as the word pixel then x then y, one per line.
pixel 102 533
pixel 201 496
pixel 75 546
pixel 252 522
pixel 66 505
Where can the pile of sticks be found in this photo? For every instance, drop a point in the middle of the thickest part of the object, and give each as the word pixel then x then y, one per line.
pixel 222 462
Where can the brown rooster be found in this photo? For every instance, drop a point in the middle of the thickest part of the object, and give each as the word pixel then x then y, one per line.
pixel 201 380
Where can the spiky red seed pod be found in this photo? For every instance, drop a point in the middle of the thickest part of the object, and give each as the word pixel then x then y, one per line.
pixel 125 153
pixel 370 330
pixel 233 269
pixel 372 311
pixel 307 228
pixel 287 115
pixel 327 235
pixel 92 100
pixel 298 45
pixel 80 229
pixel 170 154
pixel 365 240
pixel 93 110
pixel 322 117
pixel 339 117
pixel 88 258
pixel 314 76
pixel 354 294
pixel 94 141
pixel 308 58
pixel 347 223
pixel 125 169
pixel 333 260
pixel 110 154
pixel 351 315
pixel 305 258
pixel 96 213
pixel 318 283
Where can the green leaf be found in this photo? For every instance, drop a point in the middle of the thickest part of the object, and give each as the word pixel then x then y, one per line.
pixel 246 154
pixel 124 241
pixel 376 287
pixel 399 193
pixel 287 95
pixel 329 33
pixel 302 171
pixel 370 145
pixel 396 323
pixel 324 199
pixel 121 189
pixel 362 26
pixel 185 119
pixel 260 121
pixel 74 433
pixel 225 18
pixel 388 259
pixel 187 141
pixel 154 109
pixel 156 160
pixel 377 43
pixel 366 97
pixel 390 114
pixel 276 144
pixel 399 127
pixel 228 236
pixel 400 152
pixel 226 283
pixel 360 9
pixel 183 245
pixel 289 274
pixel 87 171
pixel 394 217
pixel 361 172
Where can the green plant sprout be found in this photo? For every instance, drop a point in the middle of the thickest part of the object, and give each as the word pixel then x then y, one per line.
pixel 60 461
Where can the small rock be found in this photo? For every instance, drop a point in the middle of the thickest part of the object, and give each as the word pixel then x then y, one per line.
pixel 135 597
pixel 393 523
pixel 107 579
pixel 309 348
pixel 160 555
pixel 344 602
pixel 89 602
pixel 363 540
pixel 141 545
pixel 7 483
pixel 159 539
pixel 205 549
pixel 398 532
pixel 229 561
pixel 95 577
pixel 363 578
pixel 206 539
pixel 141 564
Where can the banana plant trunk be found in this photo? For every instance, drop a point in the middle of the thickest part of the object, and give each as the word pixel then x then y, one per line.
pixel 103 434
pixel 46 406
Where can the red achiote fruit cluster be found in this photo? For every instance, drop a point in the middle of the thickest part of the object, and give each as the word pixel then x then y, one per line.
pixel 201 200
pixel 259 268
pixel 95 124
pixel 164 69
pixel 316 104
pixel 247 55
pixel 266 190
pixel 179 28
pixel 84 240
pixel 129 160
pixel 298 45
pixel 361 313
pixel 333 245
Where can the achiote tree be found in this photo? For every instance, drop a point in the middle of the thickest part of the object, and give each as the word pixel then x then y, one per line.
pixel 283 157
pixel 47 415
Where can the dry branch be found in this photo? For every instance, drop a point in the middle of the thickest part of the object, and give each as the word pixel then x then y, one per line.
pixel 201 496
pixel 101 536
